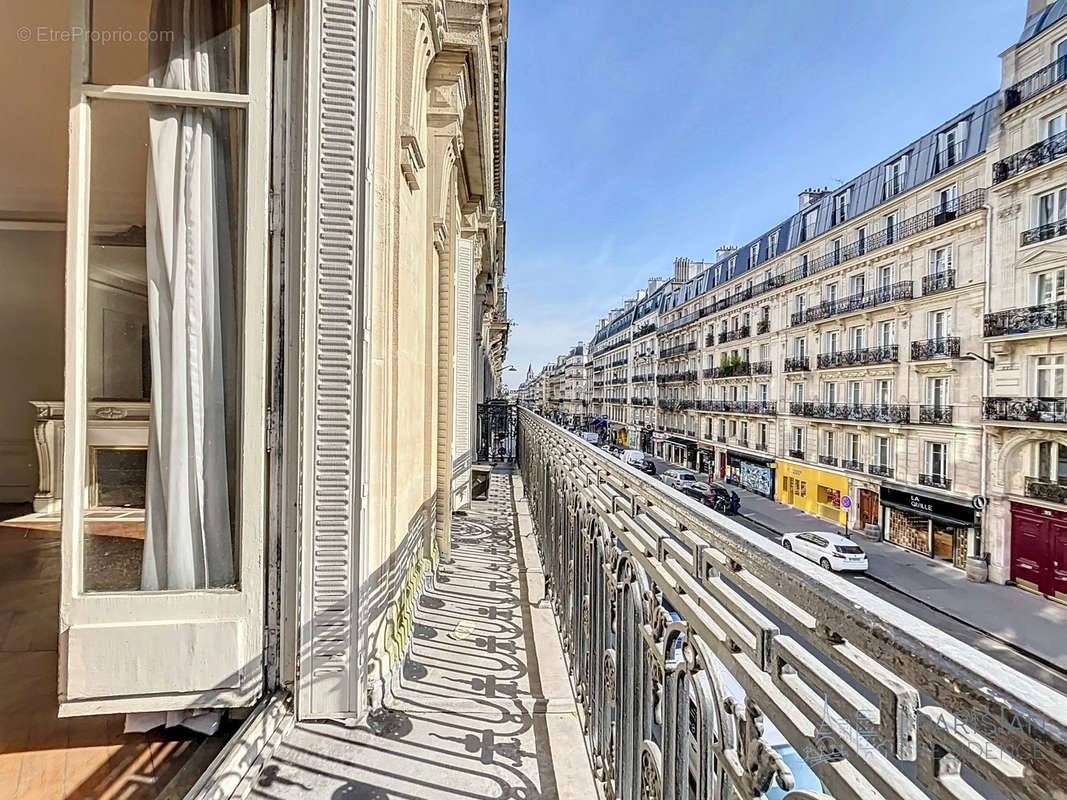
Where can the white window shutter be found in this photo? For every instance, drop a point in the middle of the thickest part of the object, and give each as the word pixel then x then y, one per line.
pixel 463 356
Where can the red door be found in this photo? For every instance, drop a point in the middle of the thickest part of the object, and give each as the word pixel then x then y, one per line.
pixel 1039 550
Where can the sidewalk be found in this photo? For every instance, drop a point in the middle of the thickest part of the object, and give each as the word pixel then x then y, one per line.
pixel 485 708
pixel 1025 620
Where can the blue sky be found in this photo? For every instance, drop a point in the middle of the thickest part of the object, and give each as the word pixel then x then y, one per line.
pixel 638 131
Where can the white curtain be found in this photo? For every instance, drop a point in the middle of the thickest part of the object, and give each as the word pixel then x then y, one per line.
pixel 189 241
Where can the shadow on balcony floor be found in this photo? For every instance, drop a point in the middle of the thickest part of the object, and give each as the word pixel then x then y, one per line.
pixel 485 709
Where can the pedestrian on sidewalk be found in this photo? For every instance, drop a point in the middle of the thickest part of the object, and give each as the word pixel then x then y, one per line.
pixel 735 503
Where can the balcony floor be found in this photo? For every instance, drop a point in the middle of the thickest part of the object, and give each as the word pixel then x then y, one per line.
pixel 485 708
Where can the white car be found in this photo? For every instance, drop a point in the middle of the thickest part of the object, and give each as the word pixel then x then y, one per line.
pixel 830 550
pixel 678 478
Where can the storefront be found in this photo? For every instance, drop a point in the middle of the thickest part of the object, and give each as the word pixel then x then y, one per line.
pixel 705 458
pixel 812 490
pixel 935 525
pixel 681 451
pixel 749 472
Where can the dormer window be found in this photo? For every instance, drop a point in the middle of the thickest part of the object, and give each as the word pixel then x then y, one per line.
pixel 894 177
pixel 841 202
pixel 807 227
pixel 753 253
pixel 951 146
pixel 772 244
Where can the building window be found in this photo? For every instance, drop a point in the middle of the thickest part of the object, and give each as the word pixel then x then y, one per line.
pixel 860 240
pixel 835 250
pixel 798 304
pixel 951 146
pixel 800 347
pixel 883 393
pixel 852 447
pixel 831 293
pixel 807 226
pixel 828 444
pixel 1048 376
pixel 894 177
pixel 798 393
pixel 772 245
pixel 731 265
pixel 883 455
pixel 762 390
pixel 798 440
pixel 1048 286
pixel 856 337
pixel 890 227
pixel 830 393
pixel 937 461
pixel 841 202
pixel 803 264
pixel 1053 126
pixel 940 260
pixel 763 436
pixel 832 342
pixel 938 324
pixel 855 393
pixel 753 254
pixel 857 284
pixel 948 199
pixel 886 332
pixel 1051 462
pixel 937 392
pixel 1050 208
pixel 885 276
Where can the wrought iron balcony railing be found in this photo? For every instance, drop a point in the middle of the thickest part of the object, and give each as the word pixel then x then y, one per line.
pixel 645 329
pixel 1029 319
pixel 1044 489
pixel 763 326
pixel 721 439
pixel 881 470
pixel 830 461
pixel 1035 84
pixel 1032 157
pixel 758 445
pixel 762 368
pixel 939 282
pixel 678 350
pixel 890 414
pixel 893 293
pixel 796 364
pixel 768 407
pixel 850 463
pixel 858 358
pixel 1042 233
pixel 935 480
pixel 794 453
pixel 927 349
pixel 642 378
pixel 689 375
pixel 936 414
pixel 1025 409
pixel 732 370
pixel 734 335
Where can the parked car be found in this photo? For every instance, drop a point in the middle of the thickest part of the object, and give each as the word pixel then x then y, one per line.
pixel 714 495
pixel 678 478
pixel 830 550
pixel 633 457
pixel 648 466
pixel 591 437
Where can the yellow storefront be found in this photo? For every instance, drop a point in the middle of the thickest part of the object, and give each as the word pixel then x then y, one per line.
pixel 812 490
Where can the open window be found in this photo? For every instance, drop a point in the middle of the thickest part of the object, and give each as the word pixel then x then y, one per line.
pixel 166 352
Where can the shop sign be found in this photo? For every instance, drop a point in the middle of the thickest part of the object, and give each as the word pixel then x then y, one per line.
pixel 928 505
pixel 658 436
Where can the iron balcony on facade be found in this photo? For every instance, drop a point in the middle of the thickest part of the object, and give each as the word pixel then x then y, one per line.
pixel 928 349
pixel 796 454
pixel 686 404
pixel 1026 409
pixel 720 439
pixel 768 407
pixel 641 378
pixel 667 405
pixel 761 368
pixel 830 461
pixel 1042 233
pixel 796 364
pixel 619 361
pixel 849 463
pixel 891 293
pixel 935 480
pixel 881 470
pixel 1033 85
pixel 734 335
pixel 709 339
pixel 1032 157
pixel 1052 491
pixel 734 370
pixel 644 329
pixel 936 414
pixel 763 326
pixel 676 350
pixel 761 446
pixel 742 442
pixel 939 282
pixel 1029 319
pixel 858 358
pixel 890 414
